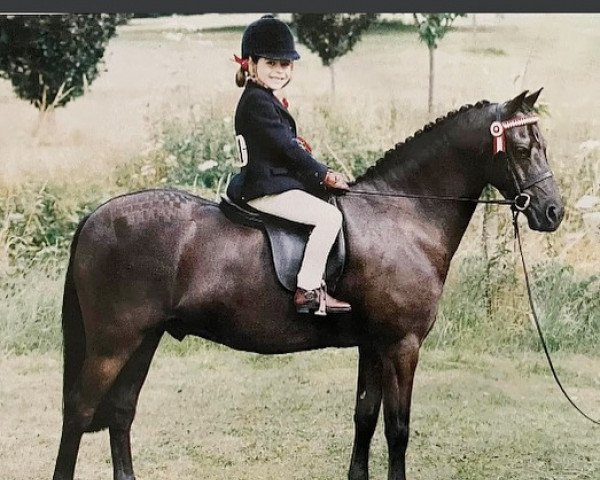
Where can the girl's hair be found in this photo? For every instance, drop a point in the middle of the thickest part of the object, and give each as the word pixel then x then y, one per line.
pixel 242 75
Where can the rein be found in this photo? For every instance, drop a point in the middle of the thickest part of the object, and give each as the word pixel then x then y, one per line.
pixel 440 197
pixel 537 322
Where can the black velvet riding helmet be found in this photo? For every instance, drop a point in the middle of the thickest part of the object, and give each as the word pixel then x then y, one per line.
pixel 269 37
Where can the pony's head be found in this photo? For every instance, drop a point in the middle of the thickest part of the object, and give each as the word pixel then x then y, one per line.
pixel 519 168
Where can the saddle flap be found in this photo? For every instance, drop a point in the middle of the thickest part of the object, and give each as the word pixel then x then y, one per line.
pixel 287 241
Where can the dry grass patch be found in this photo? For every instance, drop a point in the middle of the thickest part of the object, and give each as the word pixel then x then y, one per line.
pixel 220 414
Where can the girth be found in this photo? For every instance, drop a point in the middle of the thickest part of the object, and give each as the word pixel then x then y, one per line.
pixel 287 241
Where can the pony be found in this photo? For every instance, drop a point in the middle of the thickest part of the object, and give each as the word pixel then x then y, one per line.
pixel 164 261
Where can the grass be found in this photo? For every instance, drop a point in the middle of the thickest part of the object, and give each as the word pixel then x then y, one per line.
pixel 486 309
pixel 228 29
pixel 221 414
pixel 488 51
pixel 30 309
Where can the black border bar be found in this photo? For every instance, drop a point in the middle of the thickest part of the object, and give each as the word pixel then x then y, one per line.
pixel 303 6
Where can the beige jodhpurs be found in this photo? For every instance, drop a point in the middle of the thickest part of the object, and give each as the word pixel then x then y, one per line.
pixel 302 207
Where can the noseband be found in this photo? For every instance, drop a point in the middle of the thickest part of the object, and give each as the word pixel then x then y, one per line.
pixel 498 129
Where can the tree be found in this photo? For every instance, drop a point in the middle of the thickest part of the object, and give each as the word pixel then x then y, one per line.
pixel 331 35
pixel 432 28
pixel 51 59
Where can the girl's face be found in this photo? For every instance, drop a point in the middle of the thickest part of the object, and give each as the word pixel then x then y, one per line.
pixel 274 74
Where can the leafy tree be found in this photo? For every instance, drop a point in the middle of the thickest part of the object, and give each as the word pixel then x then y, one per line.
pixel 432 28
pixel 51 59
pixel 331 35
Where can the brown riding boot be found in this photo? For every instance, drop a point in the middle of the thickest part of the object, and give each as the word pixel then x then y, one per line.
pixel 307 300
pixel 333 305
pixel 319 302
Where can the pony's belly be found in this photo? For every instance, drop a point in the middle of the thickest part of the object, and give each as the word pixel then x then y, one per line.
pixel 268 333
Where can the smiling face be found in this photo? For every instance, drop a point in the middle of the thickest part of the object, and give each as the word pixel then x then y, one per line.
pixel 273 74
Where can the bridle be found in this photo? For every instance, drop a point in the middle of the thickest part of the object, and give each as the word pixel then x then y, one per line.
pixel 498 130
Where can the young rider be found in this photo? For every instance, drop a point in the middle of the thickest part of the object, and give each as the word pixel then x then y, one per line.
pixel 281 177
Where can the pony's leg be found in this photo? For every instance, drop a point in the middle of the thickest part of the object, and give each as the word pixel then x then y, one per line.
pixel 368 403
pixel 120 405
pixel 67 452
pixel 399 363
pixel 97 375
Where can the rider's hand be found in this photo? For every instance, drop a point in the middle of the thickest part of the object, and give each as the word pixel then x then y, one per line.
pixel 335 181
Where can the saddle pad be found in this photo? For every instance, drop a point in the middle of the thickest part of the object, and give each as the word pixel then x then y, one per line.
pixel 288 241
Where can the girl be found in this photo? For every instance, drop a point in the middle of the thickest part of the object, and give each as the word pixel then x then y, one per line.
pixel 281 177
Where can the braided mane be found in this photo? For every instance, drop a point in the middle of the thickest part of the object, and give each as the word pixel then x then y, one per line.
pixel 394 154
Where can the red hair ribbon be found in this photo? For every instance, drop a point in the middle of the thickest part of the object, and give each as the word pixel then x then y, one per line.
pixel 243 62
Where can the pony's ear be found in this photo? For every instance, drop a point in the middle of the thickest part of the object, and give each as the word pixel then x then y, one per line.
pixel 531 99
pixel 510 108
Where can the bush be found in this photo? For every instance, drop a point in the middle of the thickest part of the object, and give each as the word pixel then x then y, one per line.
pixel 568 308
pixel 50 59
pixel 37 223
pixel 331 35
pixel 198 153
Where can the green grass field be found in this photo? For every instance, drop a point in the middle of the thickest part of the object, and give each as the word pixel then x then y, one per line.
pixel 218 414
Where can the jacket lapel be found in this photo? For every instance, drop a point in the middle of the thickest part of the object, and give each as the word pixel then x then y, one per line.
pixel 285 113
pixel 278 105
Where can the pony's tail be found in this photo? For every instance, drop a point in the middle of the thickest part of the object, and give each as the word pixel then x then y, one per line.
pixel 72 324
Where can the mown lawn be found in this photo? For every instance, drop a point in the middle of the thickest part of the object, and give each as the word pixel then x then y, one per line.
pixel 220 414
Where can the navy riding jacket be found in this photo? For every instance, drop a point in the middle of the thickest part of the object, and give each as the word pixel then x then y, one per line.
pixel 276 161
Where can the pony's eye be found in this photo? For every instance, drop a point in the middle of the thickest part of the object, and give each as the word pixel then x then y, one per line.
pixel 522 152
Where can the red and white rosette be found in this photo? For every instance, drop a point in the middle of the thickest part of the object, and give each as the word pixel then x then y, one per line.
pixel 497 131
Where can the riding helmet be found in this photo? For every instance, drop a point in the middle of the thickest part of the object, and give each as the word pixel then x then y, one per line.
pixel 269 37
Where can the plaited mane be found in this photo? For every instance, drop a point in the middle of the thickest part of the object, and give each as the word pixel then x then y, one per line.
pixel 395 154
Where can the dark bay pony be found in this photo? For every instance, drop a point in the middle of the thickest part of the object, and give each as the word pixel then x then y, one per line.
pixel 165 261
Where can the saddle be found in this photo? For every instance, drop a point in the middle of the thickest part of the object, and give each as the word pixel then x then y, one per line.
pixel 288 241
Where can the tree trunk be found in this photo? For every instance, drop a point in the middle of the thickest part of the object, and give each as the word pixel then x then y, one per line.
pixel 474 26
pixel 485 237
pixel 45 127
pixel 332 72
pixel 431 79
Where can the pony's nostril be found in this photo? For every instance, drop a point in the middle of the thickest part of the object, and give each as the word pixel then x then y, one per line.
pixel 552 214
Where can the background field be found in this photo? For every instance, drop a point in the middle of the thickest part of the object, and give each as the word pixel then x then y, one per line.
pixel 484 404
